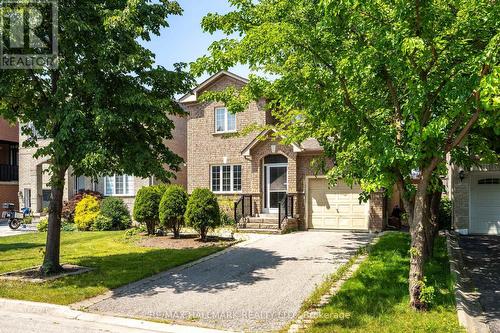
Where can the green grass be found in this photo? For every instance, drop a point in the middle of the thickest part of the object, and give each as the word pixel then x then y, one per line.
pixel 116 260
pixel 376 298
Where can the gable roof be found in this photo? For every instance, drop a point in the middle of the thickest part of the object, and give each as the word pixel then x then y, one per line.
pixel 193 95
pixel 307 145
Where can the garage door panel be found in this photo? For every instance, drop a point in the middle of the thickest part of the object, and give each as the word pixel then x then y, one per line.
pixel 485 207
pixel 335 208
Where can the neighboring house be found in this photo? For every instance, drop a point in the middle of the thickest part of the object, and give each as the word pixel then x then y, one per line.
pixel 9 163
pixel 475 195
pixel 33 178
pixel 270 181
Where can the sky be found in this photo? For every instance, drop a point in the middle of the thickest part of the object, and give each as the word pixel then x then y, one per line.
pixel 184 40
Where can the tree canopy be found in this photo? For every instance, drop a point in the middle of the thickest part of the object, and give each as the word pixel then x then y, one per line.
pixel 387 87
pixel 105 107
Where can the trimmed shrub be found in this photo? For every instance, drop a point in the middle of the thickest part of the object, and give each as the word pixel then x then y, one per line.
pixel 66 226
pixel 68 211
pixel 146 207
pixel 172 208
pixel 444 216
pixel 226 220
pixel 86 212
pixel 116 210
pixel 43 225
pixel 102 223
pixel 203 212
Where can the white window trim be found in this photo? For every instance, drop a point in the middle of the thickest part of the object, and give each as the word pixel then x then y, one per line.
pixel 131 189
pixel 226 117
pixel 221 181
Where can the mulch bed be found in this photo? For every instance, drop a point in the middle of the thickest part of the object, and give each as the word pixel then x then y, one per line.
pixel 184 242
pixel 34 275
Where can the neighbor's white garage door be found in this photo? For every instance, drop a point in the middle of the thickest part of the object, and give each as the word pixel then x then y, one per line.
pixel 485 205
pixel 335 208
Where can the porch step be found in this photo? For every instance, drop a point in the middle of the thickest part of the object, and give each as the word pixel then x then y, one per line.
pixel 257 225
pixel 263 220
pixel 268 215
pixel 259 231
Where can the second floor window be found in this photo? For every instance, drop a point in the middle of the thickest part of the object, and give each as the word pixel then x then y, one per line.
pixel 225 121
pixel 226 178
pixel 118 185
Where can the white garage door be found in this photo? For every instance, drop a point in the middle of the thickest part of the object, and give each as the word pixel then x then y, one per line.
pixel 335 208
pixel 485 205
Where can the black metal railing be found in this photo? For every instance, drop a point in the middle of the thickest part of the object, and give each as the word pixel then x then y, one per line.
pixel 9 173
pixel 243 207
pixel 285 208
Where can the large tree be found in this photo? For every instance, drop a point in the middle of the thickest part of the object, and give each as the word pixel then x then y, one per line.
pixel 104 109
pixel 389 88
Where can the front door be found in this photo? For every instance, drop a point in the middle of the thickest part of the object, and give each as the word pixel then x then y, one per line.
pixel 275 184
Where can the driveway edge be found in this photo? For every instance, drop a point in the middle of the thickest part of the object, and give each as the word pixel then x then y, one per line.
pixel 304 320
pixel 82 305
pixel 469 310
pixel 65 312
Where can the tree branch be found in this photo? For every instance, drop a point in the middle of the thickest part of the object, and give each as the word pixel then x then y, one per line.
pixel 395 102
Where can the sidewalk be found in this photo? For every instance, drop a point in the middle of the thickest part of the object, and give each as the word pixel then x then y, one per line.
pixel 6 231
pixel 23 317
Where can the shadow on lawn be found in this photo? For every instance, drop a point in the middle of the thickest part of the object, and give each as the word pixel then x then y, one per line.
pixel 381 283
pixel 19 246
pixel 112 271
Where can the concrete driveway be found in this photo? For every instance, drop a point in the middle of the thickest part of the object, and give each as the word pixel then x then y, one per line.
pixel 6 231
pixel 257 286
pixel 481 258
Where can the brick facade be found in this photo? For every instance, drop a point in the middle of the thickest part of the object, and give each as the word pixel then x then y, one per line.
pixel 33 178
pixel 9 141
pixel 460 191
pixel 207 148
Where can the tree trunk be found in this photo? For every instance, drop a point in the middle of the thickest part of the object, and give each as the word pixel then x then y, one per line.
pixel 150 226
pixel 431 224
pixel 177 229
pixel 419 240
pixel 417 250
pixel 52 247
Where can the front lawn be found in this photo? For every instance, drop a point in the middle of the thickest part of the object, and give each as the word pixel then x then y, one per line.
pixel 116 259
pixel 376 298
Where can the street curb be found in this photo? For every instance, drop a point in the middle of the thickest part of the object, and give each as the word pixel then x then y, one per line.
pixel 469 310
pixel 65 312
pixel 131 286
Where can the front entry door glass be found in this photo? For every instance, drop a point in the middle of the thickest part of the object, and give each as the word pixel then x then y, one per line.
pixel 276 186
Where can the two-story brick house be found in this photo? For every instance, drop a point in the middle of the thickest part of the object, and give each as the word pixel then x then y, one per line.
pixel 260 172
pixel 9 162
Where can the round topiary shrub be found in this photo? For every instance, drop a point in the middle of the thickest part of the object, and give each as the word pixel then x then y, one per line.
pixel 172 208
pixel 146 207
pixel 68 211
pixel 202 212
pixel 86 212
pixel 116 210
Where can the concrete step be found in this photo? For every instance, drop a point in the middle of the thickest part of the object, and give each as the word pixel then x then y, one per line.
pixel 263 220
pixel 256 225
pixel 268 215
pixel 259 231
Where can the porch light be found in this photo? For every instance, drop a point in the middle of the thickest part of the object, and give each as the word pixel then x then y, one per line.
pixel 461 175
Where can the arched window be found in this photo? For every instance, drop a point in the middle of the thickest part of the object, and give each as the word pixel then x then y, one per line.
pixel 274 159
